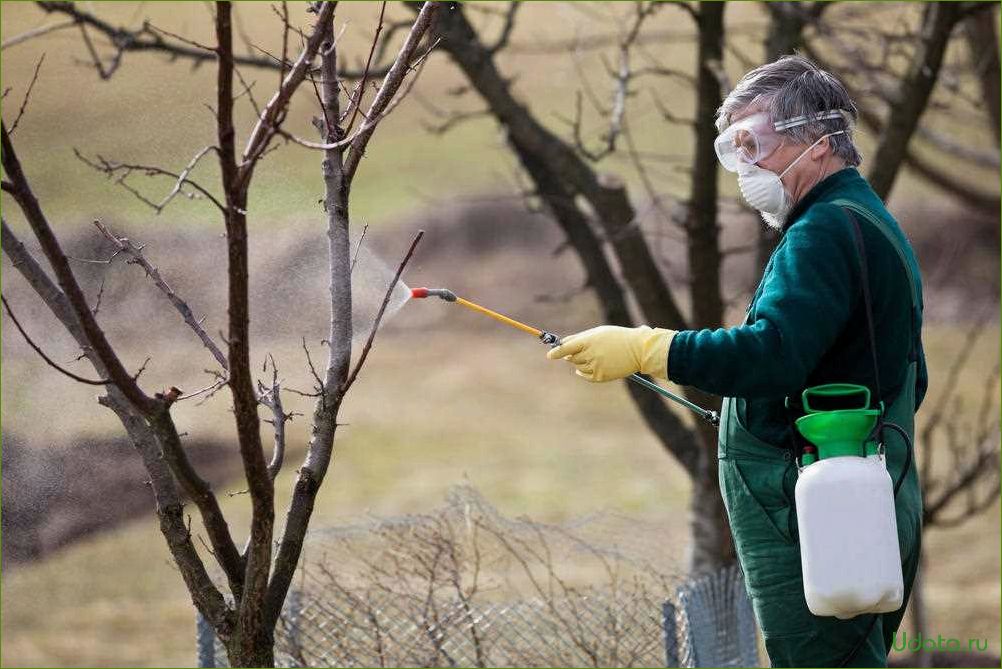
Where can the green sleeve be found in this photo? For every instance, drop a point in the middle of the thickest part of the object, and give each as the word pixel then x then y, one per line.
pixel 805 300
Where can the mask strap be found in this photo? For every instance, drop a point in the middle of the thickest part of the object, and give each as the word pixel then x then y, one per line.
pixel 790 166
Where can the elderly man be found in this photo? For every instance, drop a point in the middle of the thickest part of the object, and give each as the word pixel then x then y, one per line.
pixel 840 302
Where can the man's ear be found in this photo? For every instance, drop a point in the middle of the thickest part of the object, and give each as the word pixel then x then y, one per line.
pixel 819 150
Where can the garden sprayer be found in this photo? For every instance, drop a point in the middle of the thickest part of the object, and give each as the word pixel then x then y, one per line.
pixel 550 339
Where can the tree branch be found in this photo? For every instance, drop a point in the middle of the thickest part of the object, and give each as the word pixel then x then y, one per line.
pixel 271 118
pixel 271 397
pixel 911 99
pixel 245 400
pixel 355 102
pixel 67 281
pixel 27 95
pixel 379 315
pixel 49 361
pixel 125 245
pixel 36 32
pixel 204 594
pixel 983 43
pixel 145 39
pixel 391 84
pixel 124 170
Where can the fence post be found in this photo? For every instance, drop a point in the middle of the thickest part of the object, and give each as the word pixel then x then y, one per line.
pixel 206 641
pixel 669 625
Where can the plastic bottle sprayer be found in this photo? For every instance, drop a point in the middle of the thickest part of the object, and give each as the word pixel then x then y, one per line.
pixel 551 340
pixel 845 508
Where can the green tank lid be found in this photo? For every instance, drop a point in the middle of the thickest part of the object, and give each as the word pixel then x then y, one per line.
pixel 840 431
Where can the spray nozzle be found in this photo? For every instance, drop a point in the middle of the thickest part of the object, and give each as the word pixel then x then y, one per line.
pixel 444 293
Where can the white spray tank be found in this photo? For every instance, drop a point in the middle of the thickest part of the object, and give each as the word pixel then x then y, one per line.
pixel 845 509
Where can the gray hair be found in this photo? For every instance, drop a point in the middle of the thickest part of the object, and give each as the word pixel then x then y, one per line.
pixel 794 86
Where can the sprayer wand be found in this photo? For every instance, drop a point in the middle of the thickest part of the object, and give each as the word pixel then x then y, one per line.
pixel 552 340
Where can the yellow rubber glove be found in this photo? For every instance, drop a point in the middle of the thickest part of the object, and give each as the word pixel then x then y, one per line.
pixel 608 352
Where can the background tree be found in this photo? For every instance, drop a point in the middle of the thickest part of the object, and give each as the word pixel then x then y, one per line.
pixel 596 212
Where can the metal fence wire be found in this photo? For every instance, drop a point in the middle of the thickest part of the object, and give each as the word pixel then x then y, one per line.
pixel 466 587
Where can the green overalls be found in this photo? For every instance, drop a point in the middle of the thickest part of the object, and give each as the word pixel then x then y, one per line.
pixel 757 481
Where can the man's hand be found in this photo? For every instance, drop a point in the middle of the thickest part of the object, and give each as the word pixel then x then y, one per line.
pixel 608 352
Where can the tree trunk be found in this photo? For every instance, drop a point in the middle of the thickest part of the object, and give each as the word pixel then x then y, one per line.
pixel 252 651
pixel 561 177
pixel 938 20
pixel 712 546
pixel 785 35
pixel 711 540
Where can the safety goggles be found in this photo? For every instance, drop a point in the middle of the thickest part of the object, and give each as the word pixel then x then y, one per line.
pixel 754 137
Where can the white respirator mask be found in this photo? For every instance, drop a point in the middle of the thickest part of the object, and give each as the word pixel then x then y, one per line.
pixel 764 190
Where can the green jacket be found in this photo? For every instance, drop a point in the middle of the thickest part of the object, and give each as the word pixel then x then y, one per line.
pixel 806 323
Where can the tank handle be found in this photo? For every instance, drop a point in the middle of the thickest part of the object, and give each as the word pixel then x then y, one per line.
pixel 832 391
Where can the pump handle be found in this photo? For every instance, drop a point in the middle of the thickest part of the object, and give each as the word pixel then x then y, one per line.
pixel 835 390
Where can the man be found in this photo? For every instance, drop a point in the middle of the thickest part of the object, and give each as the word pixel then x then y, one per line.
pixel 786 130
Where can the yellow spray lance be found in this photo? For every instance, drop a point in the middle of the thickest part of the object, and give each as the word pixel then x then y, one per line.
pixel 551 339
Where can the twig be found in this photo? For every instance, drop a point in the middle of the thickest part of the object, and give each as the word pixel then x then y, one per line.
pixel 47 359
pixel 142 368
pixel 285 42
pixel 247 91
pixel 97 304
pixel 27 94
pixel 509 24
pixel 96 59
pixel 379 315
pixel 211 389
pixel 357 102
pixel 272 398
pixel 36 32
pixel 123 170
pixel 319 387
pixel 125 245
pixel 184 40
pixel 358 247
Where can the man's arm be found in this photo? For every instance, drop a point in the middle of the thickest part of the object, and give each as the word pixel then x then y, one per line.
pixel 807 296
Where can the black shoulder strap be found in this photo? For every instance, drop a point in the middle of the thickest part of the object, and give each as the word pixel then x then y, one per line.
pixel 913 283
pixel 864 274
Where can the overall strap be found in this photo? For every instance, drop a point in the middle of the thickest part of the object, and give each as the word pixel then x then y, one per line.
pixel 865 275
pixel 885 230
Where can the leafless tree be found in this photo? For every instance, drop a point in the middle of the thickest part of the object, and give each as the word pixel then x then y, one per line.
pixel 244 613
pixel 601 219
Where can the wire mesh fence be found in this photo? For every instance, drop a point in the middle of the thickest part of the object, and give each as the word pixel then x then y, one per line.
pixel 467 587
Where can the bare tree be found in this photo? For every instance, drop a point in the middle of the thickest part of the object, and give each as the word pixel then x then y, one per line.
pixel 601 220
pixel 245 616
pixel 595 212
